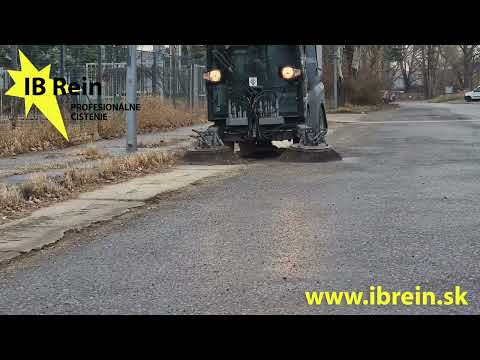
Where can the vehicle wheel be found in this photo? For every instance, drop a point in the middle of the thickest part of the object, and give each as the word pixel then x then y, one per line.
pixel 265 147
pixel 246 148
pixel 296 140
pixel 323 119
pixel 468 99
pixel 230 144
pixel 220 125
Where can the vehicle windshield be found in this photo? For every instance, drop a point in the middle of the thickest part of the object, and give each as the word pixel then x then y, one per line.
pixel 263 62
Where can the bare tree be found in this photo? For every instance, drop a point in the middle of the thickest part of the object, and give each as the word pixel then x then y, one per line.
pixel 429 56
pixel 469 53
pixel 349 51
pixel 407 64
pixel 450 55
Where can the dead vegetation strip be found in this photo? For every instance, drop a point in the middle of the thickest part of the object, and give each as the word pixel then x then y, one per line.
pixel 40 190
pixel 38 135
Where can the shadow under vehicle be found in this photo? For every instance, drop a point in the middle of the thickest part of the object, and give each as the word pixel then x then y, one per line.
pixel 257 94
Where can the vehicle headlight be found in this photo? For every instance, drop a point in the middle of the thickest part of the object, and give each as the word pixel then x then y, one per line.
pixel 290 73
pixel 213 76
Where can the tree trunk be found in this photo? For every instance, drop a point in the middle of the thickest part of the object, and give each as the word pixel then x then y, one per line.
pixel 406 80
pixel 14 100
pixel 467 73
pixel 349 50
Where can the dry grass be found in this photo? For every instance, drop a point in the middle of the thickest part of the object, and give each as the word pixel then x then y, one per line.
pixel 78 176
pixel 39 135
pixel 34 136
pixel 39 188
pixel 10 197
pixel 92 153
pixel 157 116
pixel 447 98
pixel 137 163
pixel 115 168
pixel 112 128
pixel 154 115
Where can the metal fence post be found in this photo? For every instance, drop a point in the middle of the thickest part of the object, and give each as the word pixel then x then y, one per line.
pixel 132 98
pixel 335 78
pixel 190 87
pixel 15 103
pixel 154 70
pixel 164 80
pixel 175 78
pixel 195 85
pixel 99 72
pixel 62 60
pixel 170 73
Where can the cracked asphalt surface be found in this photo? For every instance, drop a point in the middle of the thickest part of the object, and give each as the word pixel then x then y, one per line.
pixel 401 209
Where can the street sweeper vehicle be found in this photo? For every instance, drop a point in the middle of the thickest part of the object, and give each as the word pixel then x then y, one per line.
pixel 257 94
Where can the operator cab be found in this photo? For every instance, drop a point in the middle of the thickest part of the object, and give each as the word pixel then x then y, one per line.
pixel 260 93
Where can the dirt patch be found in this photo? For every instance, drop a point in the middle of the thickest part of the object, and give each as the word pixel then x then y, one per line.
pixel 361 109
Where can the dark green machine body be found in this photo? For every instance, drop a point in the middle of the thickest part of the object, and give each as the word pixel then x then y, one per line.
pixel 252 102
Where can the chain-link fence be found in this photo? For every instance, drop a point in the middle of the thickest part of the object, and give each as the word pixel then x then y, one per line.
pixel 162 75
pixel 175 79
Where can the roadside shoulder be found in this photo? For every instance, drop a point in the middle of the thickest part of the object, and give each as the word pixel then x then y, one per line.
pixel 48 225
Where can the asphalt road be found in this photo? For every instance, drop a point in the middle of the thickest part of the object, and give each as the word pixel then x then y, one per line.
pixel 401 209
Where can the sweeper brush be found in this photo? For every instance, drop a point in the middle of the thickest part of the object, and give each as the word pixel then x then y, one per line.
pixel 302 153
pixel 210 149
pixel 311 148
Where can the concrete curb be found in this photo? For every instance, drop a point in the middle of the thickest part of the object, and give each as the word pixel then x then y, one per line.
pixel 48 225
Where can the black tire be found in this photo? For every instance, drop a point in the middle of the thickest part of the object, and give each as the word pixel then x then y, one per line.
pixel 220 125
pixel 246 148
pixel 230 144
pixel 468 99
pixel 323 118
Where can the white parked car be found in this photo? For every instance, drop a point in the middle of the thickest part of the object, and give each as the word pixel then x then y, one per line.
pixel 473 95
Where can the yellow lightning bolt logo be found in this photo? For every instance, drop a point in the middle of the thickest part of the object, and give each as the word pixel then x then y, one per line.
pixel 47 102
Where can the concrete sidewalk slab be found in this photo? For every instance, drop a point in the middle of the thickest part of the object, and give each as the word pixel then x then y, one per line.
pixel 48 225
pixel 145 188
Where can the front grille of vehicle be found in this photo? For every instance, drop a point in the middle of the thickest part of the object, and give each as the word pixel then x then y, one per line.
pixel 263 105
